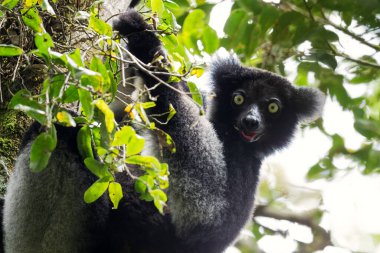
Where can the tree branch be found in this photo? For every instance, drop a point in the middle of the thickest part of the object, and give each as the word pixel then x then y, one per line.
pixel 326 21
pixel 321 238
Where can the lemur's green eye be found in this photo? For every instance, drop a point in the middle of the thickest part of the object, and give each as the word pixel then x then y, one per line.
pixel 238 99
pixel 273 107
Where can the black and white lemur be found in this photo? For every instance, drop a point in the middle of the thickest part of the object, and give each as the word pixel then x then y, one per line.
pixel 213 174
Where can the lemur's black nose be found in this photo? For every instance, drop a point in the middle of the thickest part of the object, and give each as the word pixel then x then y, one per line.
pixel 250 123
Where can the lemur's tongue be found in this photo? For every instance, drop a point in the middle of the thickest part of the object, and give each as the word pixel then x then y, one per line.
pixel 248 137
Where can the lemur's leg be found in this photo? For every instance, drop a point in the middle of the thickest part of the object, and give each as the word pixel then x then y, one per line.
pixel 45 212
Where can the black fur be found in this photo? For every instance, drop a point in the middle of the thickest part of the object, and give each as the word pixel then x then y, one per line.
pixel 213 174
pixel 132 25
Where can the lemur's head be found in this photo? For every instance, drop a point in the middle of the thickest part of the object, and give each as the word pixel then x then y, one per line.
pixel 258 107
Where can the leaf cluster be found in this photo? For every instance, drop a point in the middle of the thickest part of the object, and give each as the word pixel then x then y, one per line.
pixel 80 81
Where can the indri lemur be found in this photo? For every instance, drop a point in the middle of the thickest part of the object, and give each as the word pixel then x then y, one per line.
pixel 213 174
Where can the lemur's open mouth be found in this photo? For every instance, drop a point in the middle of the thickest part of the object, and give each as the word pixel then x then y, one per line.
pixel 250 137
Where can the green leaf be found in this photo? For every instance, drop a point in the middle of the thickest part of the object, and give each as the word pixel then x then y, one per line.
pixel 163 180
pixel 94 81
pixel 76 69
pixel 143 185
pixel 326 35
pixel 157 7
pixel 10 4
pixel 147 105
pixel 10 50
pixel 210 40
pixel 99 26
pixel 235 27
pixel 197 71
pixel 41 150
pixel 285 27
pixel 235 20
pixel 144 161
pixel 56 84
pixel 85 99
pixel 115 193
pixel 84 142
pixel 169 20
pixel 53 134
pixel 254 6
pixel 195 93
pixel 368 128
pixel 97 168
pixel 347 18
pixel 323 169
pixel 43 42
pixel 76 59
pixel 164 169
pixel 98 66
pixel 193 29
pixel 165 140
pixel 373 162
pixel 139 108
pixel 58 58
pixel 71 94
pixel 178 7
pixel 31 18
pixel 108 114
pixel 172 112
pixel 66 119
pixel 135 145
pixel 96 190
pixel 328 59
pixel 23 101
pixel 302 76
pixel 127 136
pixel 159 199
pixel 302 33
pixel 29 3
pixel 123 136
pixel 170 42
pixel 268 18
pixel 140 186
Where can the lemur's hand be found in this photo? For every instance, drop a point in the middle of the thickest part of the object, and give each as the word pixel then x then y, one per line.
pixel 141 38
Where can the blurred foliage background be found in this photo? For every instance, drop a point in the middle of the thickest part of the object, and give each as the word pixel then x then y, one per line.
pixel 321 195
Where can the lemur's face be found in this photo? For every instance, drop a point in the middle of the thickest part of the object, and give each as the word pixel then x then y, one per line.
pixel 253 114
pixel 258 110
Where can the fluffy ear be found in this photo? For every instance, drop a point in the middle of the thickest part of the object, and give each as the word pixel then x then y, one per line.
pixel 224 69
pixel 308 103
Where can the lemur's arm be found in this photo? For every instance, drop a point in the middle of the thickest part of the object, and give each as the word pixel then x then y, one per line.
pixel 197 192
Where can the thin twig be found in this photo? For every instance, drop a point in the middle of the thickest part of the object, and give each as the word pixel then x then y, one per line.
pixel 141 67
pixel 16 69
pixel 322 238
